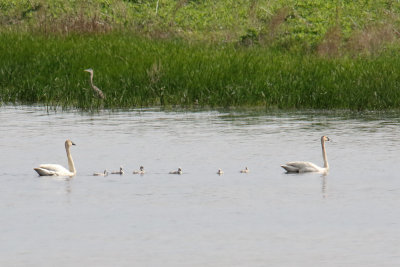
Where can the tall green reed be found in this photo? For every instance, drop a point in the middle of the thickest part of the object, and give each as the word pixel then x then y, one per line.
pixel 139 72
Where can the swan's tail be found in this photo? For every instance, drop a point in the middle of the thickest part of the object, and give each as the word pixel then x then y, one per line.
pixel 44 172
pixel 289 168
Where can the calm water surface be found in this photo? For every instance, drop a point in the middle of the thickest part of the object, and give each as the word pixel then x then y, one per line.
pixel 264 218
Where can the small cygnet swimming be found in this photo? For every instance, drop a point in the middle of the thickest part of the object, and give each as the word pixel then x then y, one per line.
pixel 121 171
pixel 105 173
pixel 140 171
pixel 179 171
pixel 245 170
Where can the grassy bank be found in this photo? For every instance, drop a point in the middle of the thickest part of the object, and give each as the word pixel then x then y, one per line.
pixel 135 71
pixel 328 27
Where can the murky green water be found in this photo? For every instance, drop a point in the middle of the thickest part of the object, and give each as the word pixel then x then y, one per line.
pixel 264 218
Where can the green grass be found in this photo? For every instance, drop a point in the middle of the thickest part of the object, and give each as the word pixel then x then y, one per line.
pixel 292 24
pixel 139 72
pixel 275 54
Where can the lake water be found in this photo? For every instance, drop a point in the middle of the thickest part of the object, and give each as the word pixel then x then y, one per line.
pixel 264 218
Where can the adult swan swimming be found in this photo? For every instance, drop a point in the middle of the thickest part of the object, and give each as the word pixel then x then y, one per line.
pixel 304 166
pixel 58 170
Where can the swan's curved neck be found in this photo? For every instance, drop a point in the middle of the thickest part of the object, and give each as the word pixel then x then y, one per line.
pixel 71 164
pixel 326 164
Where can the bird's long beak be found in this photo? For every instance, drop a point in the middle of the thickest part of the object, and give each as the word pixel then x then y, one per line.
pixel 73 143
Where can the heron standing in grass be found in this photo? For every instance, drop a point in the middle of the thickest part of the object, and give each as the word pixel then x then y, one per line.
pixel 95 88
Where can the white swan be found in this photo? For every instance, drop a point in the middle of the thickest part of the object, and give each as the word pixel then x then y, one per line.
pixel 303 166
pixel 105 173
pixel 179 171
pixel 220 172
pixel 58 170
pixel 121 171
pixel 246 170
pixel 140 171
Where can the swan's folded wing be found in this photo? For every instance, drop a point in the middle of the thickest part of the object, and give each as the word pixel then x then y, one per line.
pixel 300 166
pixel 54 168
pixel 44 172
pixel 289 168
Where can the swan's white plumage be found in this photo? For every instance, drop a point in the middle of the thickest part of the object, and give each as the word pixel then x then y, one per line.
pixel 301 166
pixel 304 166
pixel 53 168
pixel 56 169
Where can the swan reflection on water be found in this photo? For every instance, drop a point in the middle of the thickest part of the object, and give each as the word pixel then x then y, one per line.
pixel 324 186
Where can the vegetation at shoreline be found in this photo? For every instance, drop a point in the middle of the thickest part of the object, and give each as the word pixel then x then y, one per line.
pixel 136 72
pixel 273 54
